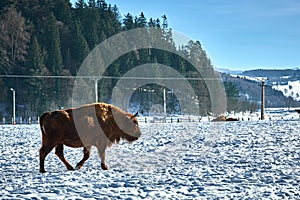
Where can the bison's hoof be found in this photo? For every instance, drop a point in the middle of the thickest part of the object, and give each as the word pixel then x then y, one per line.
pixel 70 168
pixel 104 166
pixel 78 167
pixel 42 171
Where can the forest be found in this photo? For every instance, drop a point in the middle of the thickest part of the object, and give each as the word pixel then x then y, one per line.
pixel 51 38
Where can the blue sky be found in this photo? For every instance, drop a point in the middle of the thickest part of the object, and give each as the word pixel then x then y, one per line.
pixel 236 34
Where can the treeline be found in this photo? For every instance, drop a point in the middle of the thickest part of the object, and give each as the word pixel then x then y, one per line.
pixel 52 38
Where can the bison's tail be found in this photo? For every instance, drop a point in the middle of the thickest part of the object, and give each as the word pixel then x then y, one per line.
pixel 42 120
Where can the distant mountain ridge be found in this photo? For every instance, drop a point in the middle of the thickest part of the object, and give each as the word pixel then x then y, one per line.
pixel 230 71
pixel 274 73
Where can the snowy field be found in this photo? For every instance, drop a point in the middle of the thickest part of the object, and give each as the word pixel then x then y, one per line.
pixel 247 160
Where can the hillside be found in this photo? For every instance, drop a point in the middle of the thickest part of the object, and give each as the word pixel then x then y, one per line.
pixel 282 86
pixel 286 81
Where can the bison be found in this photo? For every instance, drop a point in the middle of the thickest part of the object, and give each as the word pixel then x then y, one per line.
pixel 224 119
pixel 98 124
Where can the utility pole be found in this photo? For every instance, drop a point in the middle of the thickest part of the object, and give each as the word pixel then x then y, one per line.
pixel 96 89
pixel 262 108
pixel 14 106
pixel 165 104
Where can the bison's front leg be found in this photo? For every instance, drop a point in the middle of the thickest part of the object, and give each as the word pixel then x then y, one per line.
pixel 86 155
pixel 101 152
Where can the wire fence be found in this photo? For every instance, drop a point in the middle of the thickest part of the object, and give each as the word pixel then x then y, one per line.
pixel 176 119
pixel 199 119
pixel 20 120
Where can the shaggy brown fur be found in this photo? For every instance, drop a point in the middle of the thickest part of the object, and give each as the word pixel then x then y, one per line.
pixel 96 124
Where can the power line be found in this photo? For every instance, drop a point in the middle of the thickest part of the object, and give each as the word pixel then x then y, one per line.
pixel 108 77
pixel 43 76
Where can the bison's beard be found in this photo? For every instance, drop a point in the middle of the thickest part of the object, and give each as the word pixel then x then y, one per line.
pixel 126 137
pixel 130 138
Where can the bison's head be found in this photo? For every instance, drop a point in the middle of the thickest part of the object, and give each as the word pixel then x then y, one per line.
pixel 117 124
pixel 128 126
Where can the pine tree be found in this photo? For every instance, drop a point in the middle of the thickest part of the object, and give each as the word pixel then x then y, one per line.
pixel 80 4
pixel 90 28
pixel 80 48
pixel 101 5
pixel 35 58
pixel 232 94
pixel 62 11
pixel 128 22
pixel 141 21
pixel 35 67
pixel 151 23
pixel 92 4
pixel 167 32
pixel 111 22
pixel 54 58
pixel 53 61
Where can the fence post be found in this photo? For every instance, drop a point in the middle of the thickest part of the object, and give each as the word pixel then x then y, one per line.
pixel 3 120
pixel 29 120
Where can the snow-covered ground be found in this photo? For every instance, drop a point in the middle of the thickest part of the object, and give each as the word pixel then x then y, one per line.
pixel 203 160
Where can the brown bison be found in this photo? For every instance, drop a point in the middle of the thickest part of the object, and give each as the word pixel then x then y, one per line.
pixel 96 124
pixel 224 119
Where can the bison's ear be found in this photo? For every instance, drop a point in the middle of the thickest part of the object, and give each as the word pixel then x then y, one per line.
pixel 133 116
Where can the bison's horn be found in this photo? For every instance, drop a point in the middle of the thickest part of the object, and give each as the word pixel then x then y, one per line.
pixel 136 114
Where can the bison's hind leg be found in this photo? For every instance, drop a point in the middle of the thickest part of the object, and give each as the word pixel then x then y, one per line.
pixel 46 148
pixel 44 151
pixel 86 155
pixel 59 151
